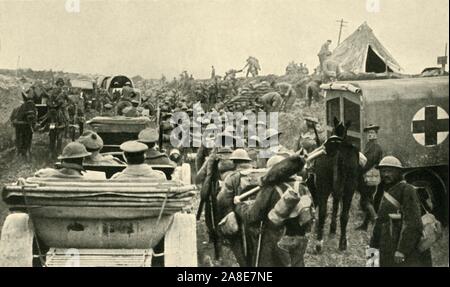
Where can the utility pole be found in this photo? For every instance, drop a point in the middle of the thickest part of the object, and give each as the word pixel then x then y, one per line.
pixel 443 60
pixel 341 25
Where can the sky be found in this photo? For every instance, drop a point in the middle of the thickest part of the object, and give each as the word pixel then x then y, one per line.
pixel 155 37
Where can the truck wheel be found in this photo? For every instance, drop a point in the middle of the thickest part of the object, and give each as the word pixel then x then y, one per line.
pixel 16 242
pixel 180 242
pixel 431 185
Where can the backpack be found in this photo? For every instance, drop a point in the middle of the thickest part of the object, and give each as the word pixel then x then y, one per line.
pixel 432 228
pixel 294 202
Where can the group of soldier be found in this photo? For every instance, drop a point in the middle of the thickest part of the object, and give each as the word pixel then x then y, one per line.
pixel 264 222
pixel 262 228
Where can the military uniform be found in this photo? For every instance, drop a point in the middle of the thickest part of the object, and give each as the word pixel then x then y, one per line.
pixel 73 150
pixel 149 137
pixel 232 187
pixel 374 154
pixel 255 215
pixel 154 157
pixel 94 143
pixel 403 235
pixel 271 101
pixel 138 171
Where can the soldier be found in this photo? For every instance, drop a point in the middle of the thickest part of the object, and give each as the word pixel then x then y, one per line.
pixel 281 233
pixel 150 137
pixel 71 163
pixel 331 71
pixel 398 227
pixel 134 153
pixel 307 140
pixel 213 73
pixel 324 53
pixel 59 98
pixel 313 90
pixel 369 173
pixel 288 93
pixel 76 112
pixel 270 101
pixel 108 111
pixel 94 143
pixel 127 92
pixel 270 145
pixel 232 187
pixel 175 156
pixel 132 111
pixel 224 148
pixel 253 66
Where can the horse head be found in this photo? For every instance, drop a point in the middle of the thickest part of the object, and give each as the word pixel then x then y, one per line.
pixel 340 128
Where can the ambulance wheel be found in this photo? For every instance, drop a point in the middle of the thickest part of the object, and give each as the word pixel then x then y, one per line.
pixel 16 244
pixel 431 186
pixel 180 242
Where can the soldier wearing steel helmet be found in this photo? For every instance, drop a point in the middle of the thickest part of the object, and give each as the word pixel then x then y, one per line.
pixel 134 153
pixel 280 227
pixel 231 187
pixel 398 226
pixel 71 163
pixel 132 111
pixel 94 143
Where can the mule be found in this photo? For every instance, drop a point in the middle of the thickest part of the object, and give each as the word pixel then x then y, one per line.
pixel 336 174
pixel 24 120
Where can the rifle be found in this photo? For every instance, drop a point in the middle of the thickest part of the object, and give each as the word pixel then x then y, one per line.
pixel 208 198
pixel 317 135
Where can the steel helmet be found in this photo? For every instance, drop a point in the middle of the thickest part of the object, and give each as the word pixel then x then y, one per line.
pixel 390 161
pixel 148 135
pixel 74 150
pixel 274 160
pixel 174 151
pixel 91 140
pixel 240 154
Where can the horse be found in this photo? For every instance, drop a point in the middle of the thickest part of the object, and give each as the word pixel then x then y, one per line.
pixel 54 121
pixel 336 174
pixel 24 120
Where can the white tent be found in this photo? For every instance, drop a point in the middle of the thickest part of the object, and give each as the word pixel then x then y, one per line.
pixel 362 52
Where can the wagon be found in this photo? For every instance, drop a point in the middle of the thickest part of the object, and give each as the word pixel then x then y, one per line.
pixel 56 222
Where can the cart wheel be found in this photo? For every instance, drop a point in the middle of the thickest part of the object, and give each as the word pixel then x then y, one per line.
pixel 186 173
pixel 16 243
pixel 180 242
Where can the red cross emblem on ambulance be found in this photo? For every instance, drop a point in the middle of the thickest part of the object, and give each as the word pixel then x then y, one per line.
pixel 430 126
